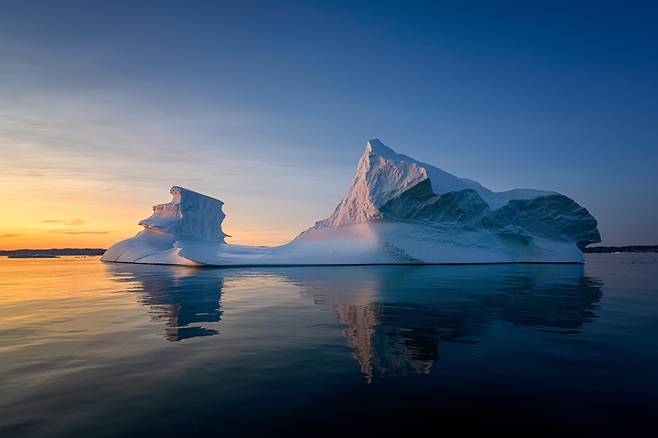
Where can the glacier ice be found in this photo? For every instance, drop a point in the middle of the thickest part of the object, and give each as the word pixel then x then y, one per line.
pixel 397 211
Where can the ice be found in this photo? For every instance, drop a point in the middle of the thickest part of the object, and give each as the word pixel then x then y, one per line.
pixel 397 210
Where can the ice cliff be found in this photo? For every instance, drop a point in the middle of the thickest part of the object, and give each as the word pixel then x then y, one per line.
pixel 190 217
pixel 397 210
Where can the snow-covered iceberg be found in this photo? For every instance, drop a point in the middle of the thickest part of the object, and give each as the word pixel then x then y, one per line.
pixel 397 211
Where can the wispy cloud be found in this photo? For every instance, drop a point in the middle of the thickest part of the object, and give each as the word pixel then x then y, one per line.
pixel 75 222
pixel 76 232
pixel 8 235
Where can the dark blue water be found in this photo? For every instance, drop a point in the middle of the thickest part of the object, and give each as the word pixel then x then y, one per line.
pixel 93 349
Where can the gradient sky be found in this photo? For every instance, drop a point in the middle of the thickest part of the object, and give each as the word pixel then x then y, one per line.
pixel 268 105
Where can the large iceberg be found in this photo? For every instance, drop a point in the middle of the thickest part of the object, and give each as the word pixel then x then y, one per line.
pixel 397 211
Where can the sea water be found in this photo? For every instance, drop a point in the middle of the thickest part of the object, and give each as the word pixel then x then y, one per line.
pixel 99 349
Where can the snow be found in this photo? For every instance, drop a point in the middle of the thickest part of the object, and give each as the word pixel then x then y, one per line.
pixel 397 211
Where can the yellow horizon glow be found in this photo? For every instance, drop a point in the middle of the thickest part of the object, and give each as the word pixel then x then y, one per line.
pixel 81 216
pixel 12 238
pixel 24 238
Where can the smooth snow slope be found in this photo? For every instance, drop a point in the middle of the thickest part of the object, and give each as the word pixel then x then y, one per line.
pixel 397 210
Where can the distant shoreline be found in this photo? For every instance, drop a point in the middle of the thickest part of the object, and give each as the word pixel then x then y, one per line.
pixel 52 252
pixel 100 251
pixel 627 248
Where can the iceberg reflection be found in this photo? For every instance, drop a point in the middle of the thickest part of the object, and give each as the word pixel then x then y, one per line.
pixel 183 298
pixel 394 318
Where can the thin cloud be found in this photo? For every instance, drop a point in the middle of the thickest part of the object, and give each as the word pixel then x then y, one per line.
pixel 75 222
pixel 64 231
pixel 8 235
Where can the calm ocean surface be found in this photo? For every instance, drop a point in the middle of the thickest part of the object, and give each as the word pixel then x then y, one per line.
pixel 95 349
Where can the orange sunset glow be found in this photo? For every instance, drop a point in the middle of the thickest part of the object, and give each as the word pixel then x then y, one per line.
pixel 79 214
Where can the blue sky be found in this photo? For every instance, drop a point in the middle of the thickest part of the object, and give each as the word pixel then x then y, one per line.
pixel 268 105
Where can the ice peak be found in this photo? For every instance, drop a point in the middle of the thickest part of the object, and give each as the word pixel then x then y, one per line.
pixel 381 175
pixel 384 174
pixel 375 146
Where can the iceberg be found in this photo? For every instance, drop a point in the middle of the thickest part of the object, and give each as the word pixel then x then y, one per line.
pixel 397 211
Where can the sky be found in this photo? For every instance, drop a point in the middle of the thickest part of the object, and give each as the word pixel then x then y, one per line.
pixel 268 106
